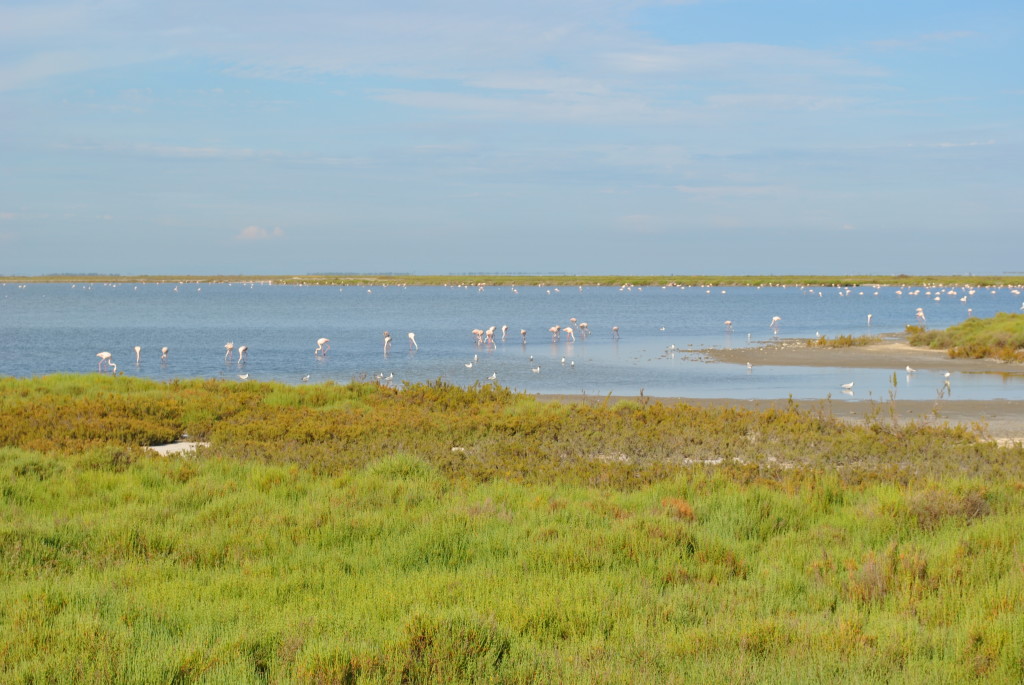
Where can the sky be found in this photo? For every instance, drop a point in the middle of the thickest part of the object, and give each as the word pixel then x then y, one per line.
pixel 537 137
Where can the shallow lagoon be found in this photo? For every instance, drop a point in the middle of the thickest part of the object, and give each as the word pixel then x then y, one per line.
pixel 50 328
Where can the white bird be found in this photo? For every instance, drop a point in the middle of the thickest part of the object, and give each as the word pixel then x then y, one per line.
pixel 230 347
pixel 243 353
pixel 322 345
pixel 138 353
pixel 244 376
pixel 468 365
pixel 163 352
pixel 749 366
pixel 412 341
pixel 910 370
pixel 493 376
pixel 104 357
pixel 847 386
pixel 535 369
pixel 305 378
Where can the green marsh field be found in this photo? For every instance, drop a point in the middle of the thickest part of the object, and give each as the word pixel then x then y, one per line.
pixel 359 533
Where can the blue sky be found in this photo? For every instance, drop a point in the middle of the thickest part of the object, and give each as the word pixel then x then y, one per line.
pixel 589 137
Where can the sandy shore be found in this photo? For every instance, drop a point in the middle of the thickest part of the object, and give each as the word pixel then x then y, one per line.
pixel 1001 420
pixel 886 355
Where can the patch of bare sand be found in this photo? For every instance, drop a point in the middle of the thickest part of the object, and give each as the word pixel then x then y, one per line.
pixel 885 355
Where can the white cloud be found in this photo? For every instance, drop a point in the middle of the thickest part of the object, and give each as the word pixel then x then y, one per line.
pixel 923 41
pixel 783 102
pixel 728 191
pixel 258 233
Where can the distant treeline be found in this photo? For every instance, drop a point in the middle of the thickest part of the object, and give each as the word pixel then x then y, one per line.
pixel 542 280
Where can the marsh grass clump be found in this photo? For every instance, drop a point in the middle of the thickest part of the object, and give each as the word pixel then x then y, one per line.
pixel 844 341
pixel 1000 337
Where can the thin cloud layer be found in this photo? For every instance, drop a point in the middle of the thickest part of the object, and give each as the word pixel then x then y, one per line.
pixel 251 233
pixel 422 136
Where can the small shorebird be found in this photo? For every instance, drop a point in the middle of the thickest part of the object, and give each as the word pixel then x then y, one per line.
pixel 535 369
pixel 244 376
pixel 910 370
pixel 305 378
pixel 847 386
pixel 493 376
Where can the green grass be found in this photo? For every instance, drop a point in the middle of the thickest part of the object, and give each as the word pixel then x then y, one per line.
pixel 1000 337
pixel 330 534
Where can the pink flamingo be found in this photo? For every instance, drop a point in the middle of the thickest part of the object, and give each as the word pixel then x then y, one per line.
pixel 554 330
pixel 478 333
pixel 615 332
pixel 522 332
pixel 243 353
pixel 104 357
pixel 138 353
pixel 230 347
pixel 387 341
pixel 412 341
pixel 163 352
pixel 322 345
pixel 569 334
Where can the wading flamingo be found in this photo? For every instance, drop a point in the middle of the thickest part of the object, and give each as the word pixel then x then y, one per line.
pixel 230 347
pixel 478 333
pixel 728 325
pixel 138 353
pixel 387 341
pixel 522 332
pixel 104 357
pixel 243 353
pixel 504 331
pixel 322 345
pixel 554 330
pixel 412 341
pixel 163 352
pixel 569 334
pixel 615 332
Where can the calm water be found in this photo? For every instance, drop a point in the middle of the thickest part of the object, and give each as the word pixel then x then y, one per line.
pixel 49 328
